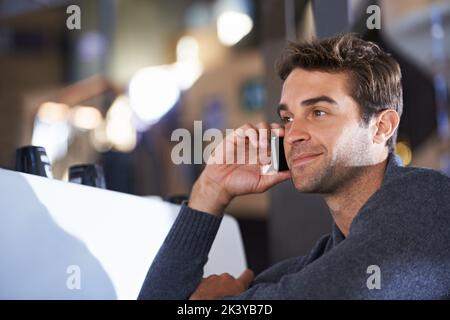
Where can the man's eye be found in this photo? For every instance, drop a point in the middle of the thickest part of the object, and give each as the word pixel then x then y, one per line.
pixel 286 119
pixel 319 113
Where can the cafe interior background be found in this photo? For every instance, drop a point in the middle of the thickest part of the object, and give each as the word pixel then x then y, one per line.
pixel 113 91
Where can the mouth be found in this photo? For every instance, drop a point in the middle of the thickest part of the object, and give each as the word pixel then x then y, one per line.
pixel 304 159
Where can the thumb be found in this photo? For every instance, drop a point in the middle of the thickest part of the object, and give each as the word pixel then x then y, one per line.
pixel 269 180
pixel 246 277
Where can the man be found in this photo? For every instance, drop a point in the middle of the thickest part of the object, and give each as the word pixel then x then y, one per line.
pixel 340 108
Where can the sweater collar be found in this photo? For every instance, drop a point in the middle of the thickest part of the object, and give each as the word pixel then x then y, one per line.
pixel 394 162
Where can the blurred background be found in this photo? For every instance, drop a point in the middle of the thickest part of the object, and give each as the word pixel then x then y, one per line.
pixel 112 91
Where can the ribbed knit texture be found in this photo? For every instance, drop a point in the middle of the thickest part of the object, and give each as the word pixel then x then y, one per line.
pixel 188 242
pixel 403 230
pixel 193 232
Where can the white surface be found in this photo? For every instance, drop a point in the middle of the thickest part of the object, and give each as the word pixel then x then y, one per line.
pixel 48 225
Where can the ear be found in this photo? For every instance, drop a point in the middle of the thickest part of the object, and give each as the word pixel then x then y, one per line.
pixel 386 122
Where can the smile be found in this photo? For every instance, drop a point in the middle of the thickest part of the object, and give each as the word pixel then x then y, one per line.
pixel 304 159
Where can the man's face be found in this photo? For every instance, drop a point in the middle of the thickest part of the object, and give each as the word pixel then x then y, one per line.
pixel 325 142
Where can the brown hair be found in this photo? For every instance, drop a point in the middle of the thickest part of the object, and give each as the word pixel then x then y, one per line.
pixel 375 75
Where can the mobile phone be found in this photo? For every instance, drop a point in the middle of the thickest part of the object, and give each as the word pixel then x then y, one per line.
pixel 279 162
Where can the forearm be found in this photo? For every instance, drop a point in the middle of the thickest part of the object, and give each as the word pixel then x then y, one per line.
pixel 178 267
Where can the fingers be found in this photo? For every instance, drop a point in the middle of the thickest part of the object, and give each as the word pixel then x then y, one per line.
pixel 263 142
pixel 249 144
pixel 262 130
pixel 246 144
pixel 269 180
pixel 277 129
pixel 263 135
pixel 246 278
pixel 219 286
pixel 247 131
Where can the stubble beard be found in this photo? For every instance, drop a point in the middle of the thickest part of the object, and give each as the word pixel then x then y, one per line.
pixel 335 174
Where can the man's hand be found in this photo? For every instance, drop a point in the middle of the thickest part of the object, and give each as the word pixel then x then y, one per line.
pixel 217 287
pixel 221 180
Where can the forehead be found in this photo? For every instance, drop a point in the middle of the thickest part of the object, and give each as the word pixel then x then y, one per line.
pixel 303 84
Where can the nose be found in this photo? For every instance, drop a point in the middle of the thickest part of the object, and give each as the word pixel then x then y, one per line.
pixel 297 132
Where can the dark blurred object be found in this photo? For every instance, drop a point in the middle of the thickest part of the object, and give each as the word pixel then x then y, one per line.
pixel 282 159
pixel 418 121
pixel 33 160
pixel 88 175
pixel 279 161
pixel 177 199
pixel 118 168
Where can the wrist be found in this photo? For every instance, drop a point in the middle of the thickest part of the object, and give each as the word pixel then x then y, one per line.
pixel 208 196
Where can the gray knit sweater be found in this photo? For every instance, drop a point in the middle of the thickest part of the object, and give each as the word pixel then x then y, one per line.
pixel 398 247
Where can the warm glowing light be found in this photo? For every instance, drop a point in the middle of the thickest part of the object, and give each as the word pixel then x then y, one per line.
pixel 99 138
pixel 187 49
pixel 120 131
pixel 404 152
pixel 52 112
pixel 86 118
pixel 65 176
pixel 51 129
pixel 232 26
pixel 188 67
pixel 53 137
pixel 153 91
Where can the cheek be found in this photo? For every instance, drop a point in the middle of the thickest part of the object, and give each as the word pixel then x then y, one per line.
pixel 331 136
pixel 352 145
pixel 287 147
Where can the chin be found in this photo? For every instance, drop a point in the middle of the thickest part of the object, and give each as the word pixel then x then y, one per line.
pixel 303 185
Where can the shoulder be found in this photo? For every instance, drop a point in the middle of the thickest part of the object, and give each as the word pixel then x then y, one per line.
pixel 419 181
pixel 411 195
pixel 425 173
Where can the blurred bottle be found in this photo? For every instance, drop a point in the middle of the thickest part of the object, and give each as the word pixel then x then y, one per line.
pixel 33 160
pixel 88 175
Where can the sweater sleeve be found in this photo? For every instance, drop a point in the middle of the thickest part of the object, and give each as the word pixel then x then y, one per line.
pixel 394 263
pixel 338 274
pixel 177 268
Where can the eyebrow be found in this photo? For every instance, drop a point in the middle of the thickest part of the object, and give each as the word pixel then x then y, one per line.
pixel 309 102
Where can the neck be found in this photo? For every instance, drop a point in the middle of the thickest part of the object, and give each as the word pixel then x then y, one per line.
pixel 346 202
